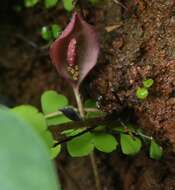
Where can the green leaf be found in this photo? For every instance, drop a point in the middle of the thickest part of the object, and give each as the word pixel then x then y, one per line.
pixel 72 132
pixel 148 83
pixel 92 104
pixel 55 151
pixel 99 128
pixel 3 107
pixel 36 120
pixel 155 151
pixel 30 3
pixel 120 129
pixel 67 132
pixel 130 145
pixel 31 115
pixel 68 5
pixel 56 30
pixel 24 160
pixel 142 93
pixel 58 120
pixel 51 101
pixel 81 146
pixel 46 34
pixel 105 142
pixel 50 3
pixel 48 138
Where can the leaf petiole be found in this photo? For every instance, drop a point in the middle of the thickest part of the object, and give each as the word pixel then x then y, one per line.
pixel 57 113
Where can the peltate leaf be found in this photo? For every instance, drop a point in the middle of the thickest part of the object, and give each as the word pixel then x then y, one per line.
pixel 130 145
pixel 155 151
pixel 51 102
pixel 105 142
pixel 81 146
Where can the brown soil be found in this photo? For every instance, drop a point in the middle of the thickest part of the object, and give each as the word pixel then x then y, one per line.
pixel 142 47
pixel 137 42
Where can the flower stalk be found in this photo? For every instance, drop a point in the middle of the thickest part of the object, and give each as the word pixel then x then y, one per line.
pixel 92 155
pixel 74 54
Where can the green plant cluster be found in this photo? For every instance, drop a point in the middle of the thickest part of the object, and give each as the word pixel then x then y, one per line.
pixel 68 4
pixel 143 92
pixel 82 144
pixel 50 33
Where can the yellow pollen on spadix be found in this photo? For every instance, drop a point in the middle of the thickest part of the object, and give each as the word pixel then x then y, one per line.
pixel 73 71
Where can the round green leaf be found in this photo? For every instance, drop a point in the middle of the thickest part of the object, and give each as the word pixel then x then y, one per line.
pixel 51 102
pixel 24 159
pixel 142 93
pixel 46 33
pixel 81 146
pixel 68 5
pixel 31 115
pixel 148 83
pixel 56 30
pixel 105 142
pixel 50 3
pixel 155 151
pixel 36 120
pixel 130 145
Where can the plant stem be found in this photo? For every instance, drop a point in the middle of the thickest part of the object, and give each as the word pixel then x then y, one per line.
pixel 95 171
pixel 120 4
pixel 92 156
pixel 139 133
pixel 79 102
pixel 77 135
pixel 144 136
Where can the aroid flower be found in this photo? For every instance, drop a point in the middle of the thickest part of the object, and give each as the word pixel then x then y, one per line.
pixel 76 51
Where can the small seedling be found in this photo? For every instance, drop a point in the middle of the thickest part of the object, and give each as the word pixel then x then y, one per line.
pixel 50 33
pixel 46 33
pixel 143 92
pixel 148 83
pixel 68 4
pixel 155 151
